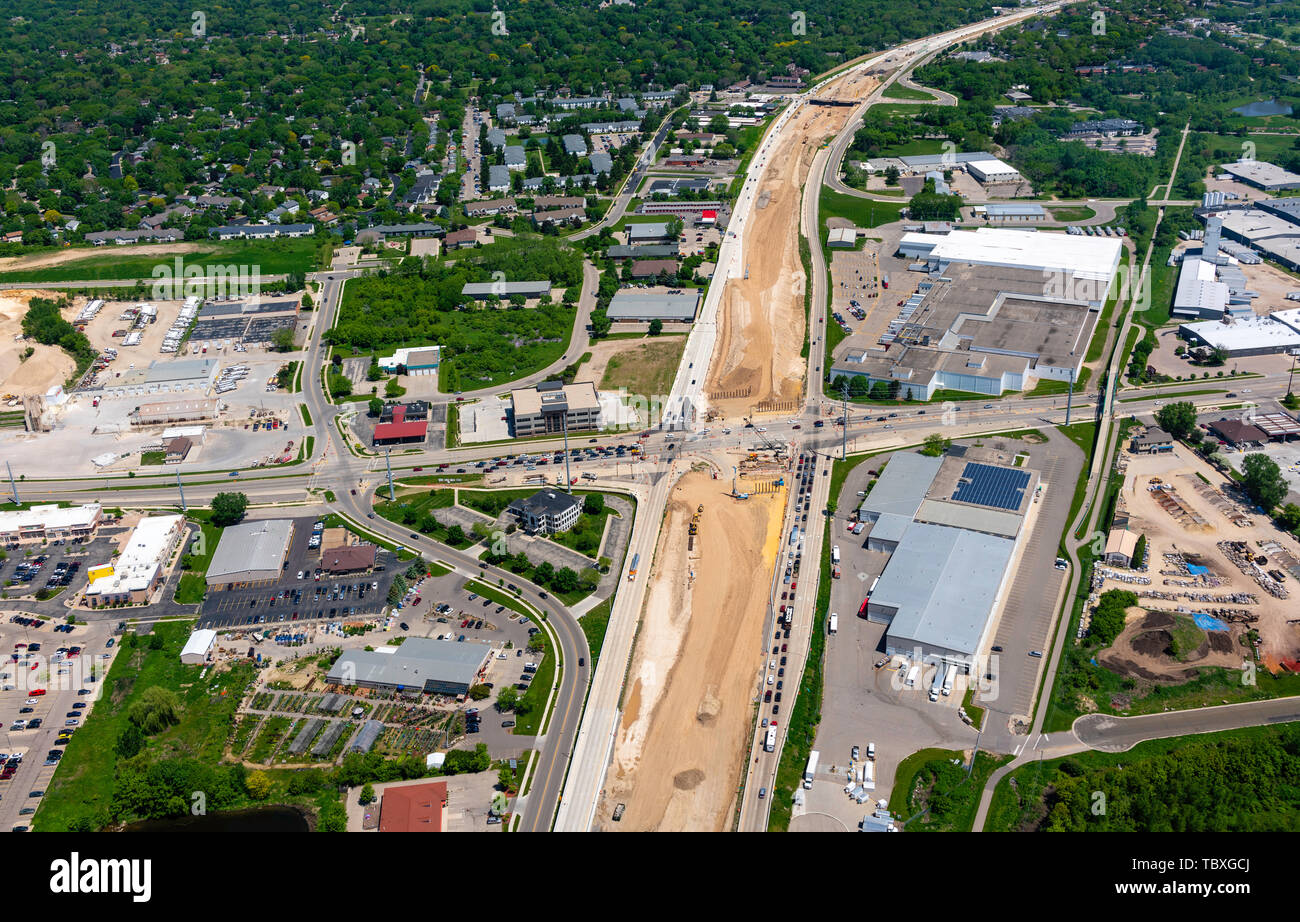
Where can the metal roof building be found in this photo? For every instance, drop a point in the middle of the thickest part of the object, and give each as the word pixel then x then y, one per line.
pixel 902 486
pixel 939 590
pixel 421 664
pixel 485 290
pixel 634 304
pixel 250 552
pixel 1243 336
pixel 198 646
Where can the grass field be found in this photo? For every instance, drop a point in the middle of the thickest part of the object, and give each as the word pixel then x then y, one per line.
pixel 271 257
pixel 897 91
pixel 1072 213
pixel 862 212
pixel 529 723
pixel 83 785
pixel 646 370
pixel 193 583
pixel 594 624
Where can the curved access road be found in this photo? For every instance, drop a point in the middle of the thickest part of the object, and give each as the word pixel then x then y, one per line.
pixel 1120 734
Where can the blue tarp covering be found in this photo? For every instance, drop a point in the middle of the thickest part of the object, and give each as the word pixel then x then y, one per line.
pixel 1206 623
pixel 1197 571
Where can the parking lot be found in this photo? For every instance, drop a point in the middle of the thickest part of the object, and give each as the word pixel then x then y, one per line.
pixel 312 596
pixel 59 693
pixel 30 567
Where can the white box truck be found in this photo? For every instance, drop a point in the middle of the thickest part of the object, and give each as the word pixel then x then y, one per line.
pixel 810 770
pixel 912 675
pixel 835 622
pixel 835 554
pixel 948 679
pixel 937 684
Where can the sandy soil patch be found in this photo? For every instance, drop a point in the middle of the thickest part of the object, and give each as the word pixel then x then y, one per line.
pixel 47 366
pixel 761 323
pixel 688 712
pixel 72 254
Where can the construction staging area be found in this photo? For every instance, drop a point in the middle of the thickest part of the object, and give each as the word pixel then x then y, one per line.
pixel 1211 561
pixel 761 324
pixel 687 707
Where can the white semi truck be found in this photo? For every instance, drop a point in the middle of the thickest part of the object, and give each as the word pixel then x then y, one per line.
pixel 948 679
pixel 810 770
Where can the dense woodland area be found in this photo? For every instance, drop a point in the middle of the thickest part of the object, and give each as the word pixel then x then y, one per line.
pixel 1248 782
pixel 255 92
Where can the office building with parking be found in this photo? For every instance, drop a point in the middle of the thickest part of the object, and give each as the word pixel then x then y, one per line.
pixel 49 522
pixel 552 407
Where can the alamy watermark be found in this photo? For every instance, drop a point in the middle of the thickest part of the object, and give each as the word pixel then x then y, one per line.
pixel 177 281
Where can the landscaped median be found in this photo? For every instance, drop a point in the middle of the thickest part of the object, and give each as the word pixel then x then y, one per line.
pixel 934 790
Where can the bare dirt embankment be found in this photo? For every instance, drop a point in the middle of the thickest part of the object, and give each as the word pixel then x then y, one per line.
pixel 47 365
pixel 72 254
pixel 761 322
pixel 688 711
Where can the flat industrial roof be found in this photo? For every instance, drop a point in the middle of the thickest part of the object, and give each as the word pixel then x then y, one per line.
pixel 944 584
pixel 250 546
pixel 1258 171
pixel 974 518
pixel 902 486
pixel 1198 288
pixel 1077 257
pixel 50 516
pixel 1245 333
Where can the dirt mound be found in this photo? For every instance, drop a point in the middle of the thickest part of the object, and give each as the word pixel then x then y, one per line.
pixel 710 707
pixel 688 780
pixel 1153 643
pixel 1221 642
pixel 1156 620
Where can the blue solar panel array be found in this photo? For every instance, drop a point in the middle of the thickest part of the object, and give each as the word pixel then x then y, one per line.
pixel 986 485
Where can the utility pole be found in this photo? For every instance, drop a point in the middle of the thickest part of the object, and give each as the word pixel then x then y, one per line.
pixel 13 485
pixel 844 430
pixel 388 461
pixel 180 486
pixel 1069 398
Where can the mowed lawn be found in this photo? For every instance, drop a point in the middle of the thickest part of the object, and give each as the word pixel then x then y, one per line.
pixel 648 368
pixel 271 257
pixel 83 783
